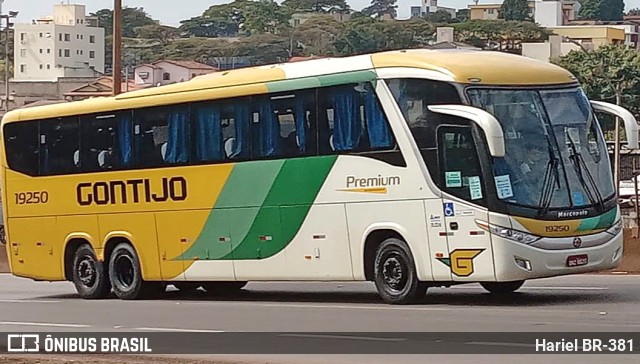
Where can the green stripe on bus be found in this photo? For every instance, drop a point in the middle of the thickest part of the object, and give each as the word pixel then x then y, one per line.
pixel 321 81
pixel 285 208
pixel 599 222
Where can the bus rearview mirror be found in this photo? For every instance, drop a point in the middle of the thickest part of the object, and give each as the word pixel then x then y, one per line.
pixel 630 123
pixel 487 122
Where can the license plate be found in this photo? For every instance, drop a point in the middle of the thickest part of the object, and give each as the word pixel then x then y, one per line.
pixel 577 260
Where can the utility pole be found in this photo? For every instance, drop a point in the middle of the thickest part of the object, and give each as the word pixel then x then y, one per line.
pixel 117 47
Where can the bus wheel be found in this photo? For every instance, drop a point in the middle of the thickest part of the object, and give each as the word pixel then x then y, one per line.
pixel 224 288
pixel 395 273
pixel 89 275
pixel 502 287
pixel 126 275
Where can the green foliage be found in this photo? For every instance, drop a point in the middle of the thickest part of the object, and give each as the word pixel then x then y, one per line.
pixel 380 8
pixel 463 15
pixel 500 35
pixel 602 9
pixel 317 35
pixel 514 10
pixel 608 73
pixel 439 17
pixel 319 6
pixel 132 18
pixel 366 34
pixel 162 33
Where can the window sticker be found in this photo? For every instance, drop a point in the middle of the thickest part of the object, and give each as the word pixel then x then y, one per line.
pixel 453 179
pixel 475 188
pixel 503 185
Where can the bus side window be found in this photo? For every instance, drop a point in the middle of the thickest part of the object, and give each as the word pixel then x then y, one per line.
pixel 351 120
pixel 22 147
pixel 161 136
pixel 59 146
pixel 105 142
pixel 459 164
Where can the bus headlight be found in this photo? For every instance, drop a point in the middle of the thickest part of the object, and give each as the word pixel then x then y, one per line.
pixel 615 229
pixel 507 233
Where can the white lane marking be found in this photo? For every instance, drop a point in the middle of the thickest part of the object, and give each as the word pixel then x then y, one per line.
pixel 176 330
pixel 366 338
pixel 356 307
pixel 16 323
pixel 28 301
pixel 493 343
pixel 574 288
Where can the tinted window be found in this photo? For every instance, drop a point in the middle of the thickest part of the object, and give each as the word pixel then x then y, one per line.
pixel 461 175
pixel 414 97
pixel 350 119
pixel 105 142
pixel 22 147
pixel 161 136
pixel 59 146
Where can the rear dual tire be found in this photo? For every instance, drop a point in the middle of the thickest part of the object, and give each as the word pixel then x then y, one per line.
pixel 125 274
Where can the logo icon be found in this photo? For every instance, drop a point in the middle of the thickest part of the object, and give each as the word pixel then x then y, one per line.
pixel 23 343
pixel 577 242
pixel 448 209
pixel 461 261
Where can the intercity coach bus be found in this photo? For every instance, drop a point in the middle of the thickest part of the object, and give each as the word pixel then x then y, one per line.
pixel 410 169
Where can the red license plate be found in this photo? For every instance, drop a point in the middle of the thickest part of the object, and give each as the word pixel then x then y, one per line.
pixel 577 260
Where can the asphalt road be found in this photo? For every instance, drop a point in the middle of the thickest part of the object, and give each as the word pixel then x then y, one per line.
pixel 585 303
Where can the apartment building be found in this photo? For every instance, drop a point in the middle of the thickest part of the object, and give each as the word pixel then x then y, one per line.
pixel 544 12
pixel 65 44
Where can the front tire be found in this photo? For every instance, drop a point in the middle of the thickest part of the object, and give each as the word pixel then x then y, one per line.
pixel 89 274
pixel 395 273
pixel 125 274
pixel 502 287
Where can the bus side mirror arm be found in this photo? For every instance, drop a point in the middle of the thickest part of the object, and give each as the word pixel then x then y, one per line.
pixel 487 122
pixel 630 123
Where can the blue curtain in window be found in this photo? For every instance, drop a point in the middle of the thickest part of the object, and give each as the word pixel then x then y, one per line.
pixel 125 139
pixel 178 137
pixel 269 136
pixel 242 115
pixel 209 134
pixel 346 119
pixel 301 124
pixel 380 135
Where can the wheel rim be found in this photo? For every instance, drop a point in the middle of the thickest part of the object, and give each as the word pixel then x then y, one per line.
pixel 86 271
pixel 394 272
pixel 124 271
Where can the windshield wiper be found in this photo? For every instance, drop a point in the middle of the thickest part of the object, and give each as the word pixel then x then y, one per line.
pixel 551 180
pixel 579 165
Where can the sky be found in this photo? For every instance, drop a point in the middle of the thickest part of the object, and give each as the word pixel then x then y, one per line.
pixel 170 12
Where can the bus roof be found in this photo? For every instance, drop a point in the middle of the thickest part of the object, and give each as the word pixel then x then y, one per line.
pixel 462 66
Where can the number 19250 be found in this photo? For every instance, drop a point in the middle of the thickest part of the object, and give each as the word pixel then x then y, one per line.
pixel 31 198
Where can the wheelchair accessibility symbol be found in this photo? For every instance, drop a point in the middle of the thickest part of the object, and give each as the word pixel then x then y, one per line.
pixel 448 209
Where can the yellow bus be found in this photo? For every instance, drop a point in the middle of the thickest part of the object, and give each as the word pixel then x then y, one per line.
pixel 410 169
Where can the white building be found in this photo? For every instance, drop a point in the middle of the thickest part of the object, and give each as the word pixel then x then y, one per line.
pixel 165 72
pixel 66 44
pixel 429 7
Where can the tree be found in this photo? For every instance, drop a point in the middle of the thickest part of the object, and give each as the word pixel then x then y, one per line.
pixel 162 33
pixel 634 12
pixel 317 35
pixel 318 6
pixel 265 16
pixel 602 9
pixel 610 72
pixel 440 16
pixel 382 8
pixel 462 15
pixel 505 36
pixel 514 10
pixel 132 18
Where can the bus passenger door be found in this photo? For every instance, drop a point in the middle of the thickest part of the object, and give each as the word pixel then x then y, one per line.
pixel 470 255
pixel 438 244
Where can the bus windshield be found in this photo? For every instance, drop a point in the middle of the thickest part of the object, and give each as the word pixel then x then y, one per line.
pixel 556 156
